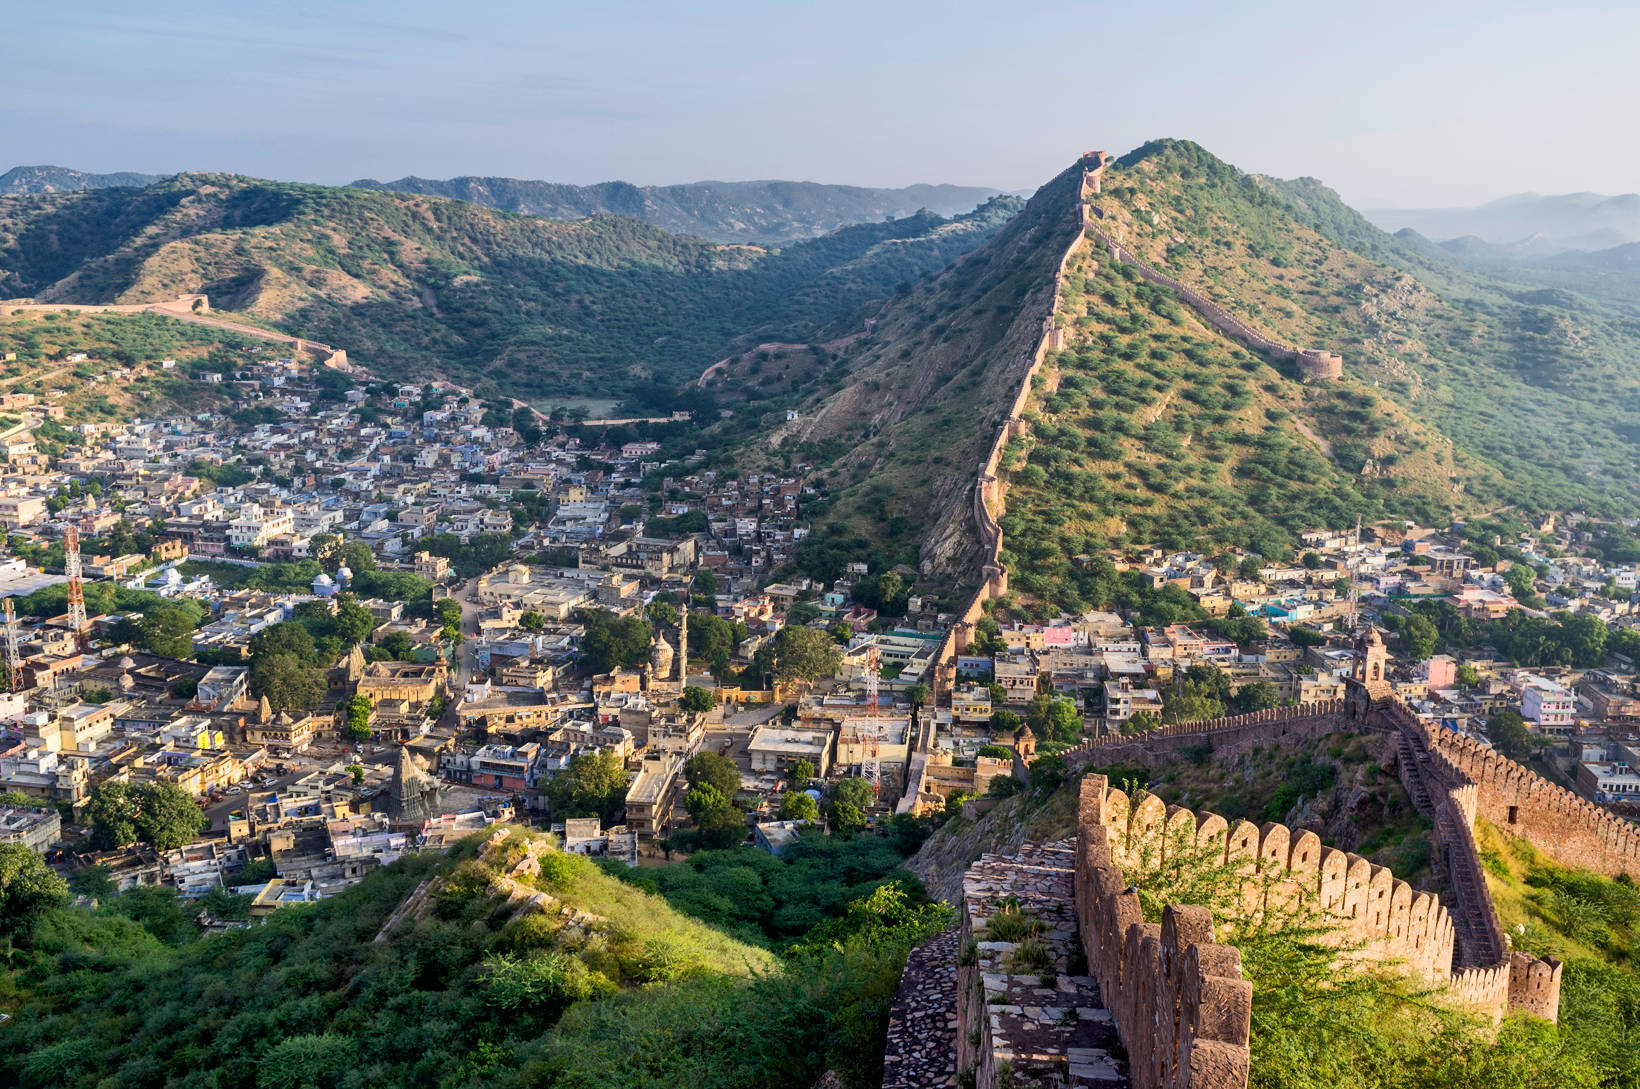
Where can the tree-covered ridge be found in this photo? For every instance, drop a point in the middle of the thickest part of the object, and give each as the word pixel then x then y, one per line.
pixel 759 212
pixel 915 404
pixel 1150 428
pixel 1538 386
pixel 417 285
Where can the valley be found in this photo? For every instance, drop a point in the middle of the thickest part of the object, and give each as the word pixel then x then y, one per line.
pixel 447 645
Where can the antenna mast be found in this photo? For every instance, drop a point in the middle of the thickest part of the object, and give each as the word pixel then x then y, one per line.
pixel 14 663
pixel 872 766
pixel 76 587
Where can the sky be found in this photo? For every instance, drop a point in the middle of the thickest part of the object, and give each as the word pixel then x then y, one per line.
pixel 1394 104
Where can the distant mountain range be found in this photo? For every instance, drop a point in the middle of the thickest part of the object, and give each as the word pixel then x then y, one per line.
pixel 760 212
pixel 60 179
pixel 1526 224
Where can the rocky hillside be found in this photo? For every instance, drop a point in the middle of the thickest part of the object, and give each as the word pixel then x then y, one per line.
pixel 759 212
pixel 420 285
pixel 910 408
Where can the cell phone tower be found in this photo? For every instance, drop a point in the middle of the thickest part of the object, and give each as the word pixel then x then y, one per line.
pixel 872 766
pixel 76 586
pixel 14 662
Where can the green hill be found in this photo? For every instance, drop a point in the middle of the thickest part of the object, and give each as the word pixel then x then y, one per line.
pixel 60 179
pixel 464 969
pixel 1536 391
pixel 760 212
pixel 416 285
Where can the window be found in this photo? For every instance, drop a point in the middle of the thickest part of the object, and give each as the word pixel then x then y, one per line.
pixel 1514 814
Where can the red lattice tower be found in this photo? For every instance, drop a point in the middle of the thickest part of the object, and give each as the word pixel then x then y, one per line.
pixel 872 766
pixel 76 587
pixel 14 661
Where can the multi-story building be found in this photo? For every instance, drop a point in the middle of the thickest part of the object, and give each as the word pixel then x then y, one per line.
pixel 1551 707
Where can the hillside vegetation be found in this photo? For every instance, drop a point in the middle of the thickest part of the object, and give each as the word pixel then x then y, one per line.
pixel 416 285
pixel 43 340
pixel 910 410
pixel 761 212
pixel 608 986
pixel 1535 390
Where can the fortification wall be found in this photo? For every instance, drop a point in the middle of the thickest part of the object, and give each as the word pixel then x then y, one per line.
pixel 1371 909
pixel 1307 720
pixel 1517 801
pixel 988 490
pixel 1313 362
pixel 1180 1004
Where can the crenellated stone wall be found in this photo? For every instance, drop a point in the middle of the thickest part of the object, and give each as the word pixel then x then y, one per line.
pixel 1380 915
pixel 1178 999
pixel 1306 720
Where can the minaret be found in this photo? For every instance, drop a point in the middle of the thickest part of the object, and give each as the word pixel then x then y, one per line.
pixel 683 646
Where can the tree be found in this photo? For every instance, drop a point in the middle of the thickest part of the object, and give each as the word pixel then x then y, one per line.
pixel 352 623
pixel 801 772
pixel 1257 696
pixel 708 768
pixel 1005 722
pixel 918 694
pixel 287 637
pixel 1302 636
pixel 697 699
pixel 355 770
pixel 447 611
pixel 1509 734
pixel 1522 581
pixel 1419 637
pixel 1311 561
pixel 1250 569
pixel 168 628
pixel 847 818
pixel 797 805
pixel 1053 719
pixel 358 716
pixel 532 621
pixel 718 823
pixel 1467 675
pixel 285 681
pixel 28 889
pixel 853 791
pixel 592 785
pixel 805 654
pixel 613 642
pixel 159 814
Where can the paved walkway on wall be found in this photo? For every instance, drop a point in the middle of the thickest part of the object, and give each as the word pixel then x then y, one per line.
pixel 1050 1025
pixel 922 1026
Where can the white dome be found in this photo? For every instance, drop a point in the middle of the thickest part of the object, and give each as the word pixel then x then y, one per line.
pixel 343 573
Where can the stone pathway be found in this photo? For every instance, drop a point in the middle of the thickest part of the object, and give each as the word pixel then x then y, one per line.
pixel 922 1026
pixel 1049 1024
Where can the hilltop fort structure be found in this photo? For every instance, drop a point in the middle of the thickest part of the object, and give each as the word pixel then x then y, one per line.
pixel 1099 975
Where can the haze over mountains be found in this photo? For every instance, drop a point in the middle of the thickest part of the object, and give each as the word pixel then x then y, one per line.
pixel 747 211
pixel 1526 224
pixel 769 212
pixel 60 179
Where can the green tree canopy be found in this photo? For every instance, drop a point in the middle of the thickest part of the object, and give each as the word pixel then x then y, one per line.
pixel 592 785
pixel 161 815
pixel 796 805
pixel 708 768
pixel 28 889
pixel 805 654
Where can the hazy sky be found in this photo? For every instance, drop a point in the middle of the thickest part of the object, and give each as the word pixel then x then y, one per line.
pixel 1392 103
